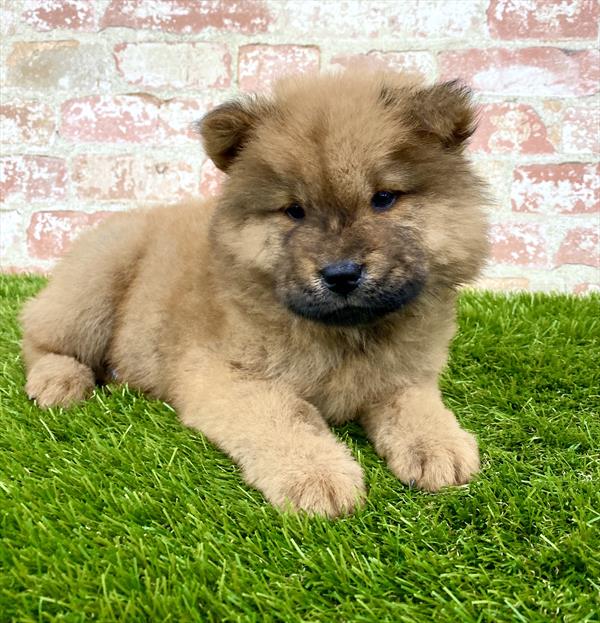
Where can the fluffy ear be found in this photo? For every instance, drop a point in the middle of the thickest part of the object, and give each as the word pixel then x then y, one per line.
pixel 226 129
pixel 446 111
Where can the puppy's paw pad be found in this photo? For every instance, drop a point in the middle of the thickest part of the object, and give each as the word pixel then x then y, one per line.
pixel 325 489
pixel 58 380
pixel 431 463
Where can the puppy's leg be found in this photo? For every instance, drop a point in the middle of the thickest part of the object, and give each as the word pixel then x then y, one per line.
pixel 67 327
pixel 421 440
pixel 280 441
pixel 65 335
pixel 58 380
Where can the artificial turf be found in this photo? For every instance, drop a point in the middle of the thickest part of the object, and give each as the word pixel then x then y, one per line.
pixel 112 511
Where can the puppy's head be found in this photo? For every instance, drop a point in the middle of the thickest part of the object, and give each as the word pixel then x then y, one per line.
pixel 348 195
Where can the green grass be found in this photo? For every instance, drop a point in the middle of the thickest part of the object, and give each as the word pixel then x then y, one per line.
pixel 113 511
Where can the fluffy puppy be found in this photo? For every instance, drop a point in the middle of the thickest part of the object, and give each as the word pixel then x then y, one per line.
pixel 319 287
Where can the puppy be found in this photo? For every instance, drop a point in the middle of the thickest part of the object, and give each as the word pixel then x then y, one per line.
pixel 319 287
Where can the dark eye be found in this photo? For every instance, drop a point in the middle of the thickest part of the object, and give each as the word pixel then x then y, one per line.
pixel 383 200
pixel 295 211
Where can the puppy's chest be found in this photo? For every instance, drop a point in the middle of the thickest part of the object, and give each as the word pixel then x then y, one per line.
pixel 339 384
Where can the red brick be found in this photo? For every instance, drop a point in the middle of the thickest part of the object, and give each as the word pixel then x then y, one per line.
pixel 581 130
pixel 63 65
pixel 177 116
pixel 26 122
pixel 513 128
pixel 340 19
pixel 139 118
pixel 586 288
pixel 141 178
pixel 428 20
pixel 543 19
pixel 47 15
pixel 377 18
pixel 518 243
pixel 189 16
pixel 175 65
pixel 538 71
pixel 32 178
pixel 260 65
pixel 51 233
pixel 211 179
pixel 116 119
pixel 581 245
pixel 423 63
pixel 570 188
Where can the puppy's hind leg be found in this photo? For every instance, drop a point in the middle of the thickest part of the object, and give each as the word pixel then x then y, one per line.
pixel 64 341
pixel 68 326
pixel 58 380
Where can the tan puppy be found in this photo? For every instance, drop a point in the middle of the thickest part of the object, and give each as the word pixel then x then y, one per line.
pixel 318 288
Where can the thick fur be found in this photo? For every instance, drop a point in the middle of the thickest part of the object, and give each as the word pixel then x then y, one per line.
pixel 219 309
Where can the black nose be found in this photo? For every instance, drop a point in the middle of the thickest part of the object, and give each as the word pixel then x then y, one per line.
pixel 342 277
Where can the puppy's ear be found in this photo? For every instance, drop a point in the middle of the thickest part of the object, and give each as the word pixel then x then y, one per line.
pixel 444 111
pixel 447 111
pixel 226 129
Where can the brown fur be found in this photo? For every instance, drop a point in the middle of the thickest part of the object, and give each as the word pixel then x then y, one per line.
pixel 203 305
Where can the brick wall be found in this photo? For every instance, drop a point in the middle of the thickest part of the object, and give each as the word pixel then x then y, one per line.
pixel 98 95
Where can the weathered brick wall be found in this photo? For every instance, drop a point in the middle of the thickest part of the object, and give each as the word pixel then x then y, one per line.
pixel 98 95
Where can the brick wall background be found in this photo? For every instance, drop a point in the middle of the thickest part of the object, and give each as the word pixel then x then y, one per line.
pixel 98 95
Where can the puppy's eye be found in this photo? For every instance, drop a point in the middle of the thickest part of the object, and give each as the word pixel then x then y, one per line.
pixel 383 200
pixel 295 211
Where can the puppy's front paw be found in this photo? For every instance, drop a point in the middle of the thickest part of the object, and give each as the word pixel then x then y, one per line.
pixel 328 486
pixel 432 462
